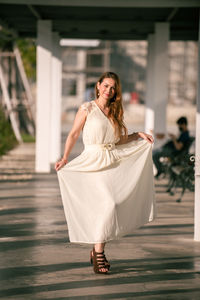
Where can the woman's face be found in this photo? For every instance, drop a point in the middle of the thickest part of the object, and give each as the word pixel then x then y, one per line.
pixel 107 88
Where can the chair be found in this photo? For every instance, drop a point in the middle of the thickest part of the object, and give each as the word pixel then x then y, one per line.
pixel 180 171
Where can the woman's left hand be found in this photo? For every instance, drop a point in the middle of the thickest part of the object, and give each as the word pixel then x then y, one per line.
pixel 149 138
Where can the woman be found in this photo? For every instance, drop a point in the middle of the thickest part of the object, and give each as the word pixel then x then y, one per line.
pixel 107 191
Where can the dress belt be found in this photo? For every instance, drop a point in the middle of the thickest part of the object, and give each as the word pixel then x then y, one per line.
pixel 109 146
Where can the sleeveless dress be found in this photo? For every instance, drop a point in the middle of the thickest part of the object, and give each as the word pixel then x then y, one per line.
pixel 108 190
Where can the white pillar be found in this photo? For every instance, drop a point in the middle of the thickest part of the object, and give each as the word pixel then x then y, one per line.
pixel 81 82
pixel 43 105
pixel 149 101
pixel 56 100
pixel 197 156
pixel 161 76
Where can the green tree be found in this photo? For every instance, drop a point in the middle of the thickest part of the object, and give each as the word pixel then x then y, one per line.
pixel 7 137
pixel 27 49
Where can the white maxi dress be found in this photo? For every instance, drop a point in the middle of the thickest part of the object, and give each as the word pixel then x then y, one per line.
pixel 108 190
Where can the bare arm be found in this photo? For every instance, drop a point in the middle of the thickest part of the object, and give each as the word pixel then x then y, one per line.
pixel 131 137
pixel 72 137
pixel 135 136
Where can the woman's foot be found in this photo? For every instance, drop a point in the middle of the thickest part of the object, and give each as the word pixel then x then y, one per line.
pixel 100 248
pixel 99 261
pixel 106 261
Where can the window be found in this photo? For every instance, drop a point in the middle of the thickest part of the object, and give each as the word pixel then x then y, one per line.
pixel 95 60
pixel 70 59
pixel 69 87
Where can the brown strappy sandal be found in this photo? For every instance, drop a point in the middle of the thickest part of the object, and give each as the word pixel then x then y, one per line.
pixel 106 261
pixel 99 261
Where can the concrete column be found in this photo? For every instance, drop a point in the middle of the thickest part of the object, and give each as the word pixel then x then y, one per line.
pixel 56 100
pixel 43 104
pixel 161 77
pixel 81 82
pixel 197 156
pixel 149 101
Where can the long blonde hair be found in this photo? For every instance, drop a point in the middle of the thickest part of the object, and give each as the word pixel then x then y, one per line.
pixel 116 111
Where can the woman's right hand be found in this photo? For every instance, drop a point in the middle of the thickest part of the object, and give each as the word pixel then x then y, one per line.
pixel 59 164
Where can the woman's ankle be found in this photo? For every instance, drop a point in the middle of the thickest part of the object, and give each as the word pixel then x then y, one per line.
pixel 99 247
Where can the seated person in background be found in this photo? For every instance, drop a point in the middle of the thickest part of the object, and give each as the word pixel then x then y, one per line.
pixel 173 147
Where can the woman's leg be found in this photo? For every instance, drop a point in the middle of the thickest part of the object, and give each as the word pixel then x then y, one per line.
pixel 99 247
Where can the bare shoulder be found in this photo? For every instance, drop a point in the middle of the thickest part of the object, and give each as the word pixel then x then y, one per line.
pixel 87 106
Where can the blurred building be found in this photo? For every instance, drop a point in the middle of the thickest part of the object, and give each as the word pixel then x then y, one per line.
pixel 183 72
pixel 83 63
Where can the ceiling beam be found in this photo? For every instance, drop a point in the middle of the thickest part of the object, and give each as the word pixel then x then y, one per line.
pixel 115 23
pixel 110 3
pixel 184 37
pixel 176 36
pixel 172 14
pixel 115 26
pixel 98 23
pixel 108 36
pixel 102 24
pixel 34 12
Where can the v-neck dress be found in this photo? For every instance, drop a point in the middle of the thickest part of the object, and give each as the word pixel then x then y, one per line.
pixel 108 190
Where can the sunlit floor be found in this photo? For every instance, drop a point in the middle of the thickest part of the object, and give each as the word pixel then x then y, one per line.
pixel 159 261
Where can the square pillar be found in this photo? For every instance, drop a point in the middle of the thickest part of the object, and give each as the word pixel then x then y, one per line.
pixel 197 156
pixel 81 80
pixel 56 99
pixel 149 97
pixel 161 77
pixel 43 102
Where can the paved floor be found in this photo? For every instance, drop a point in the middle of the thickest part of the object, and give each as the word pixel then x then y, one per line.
pixel 159 261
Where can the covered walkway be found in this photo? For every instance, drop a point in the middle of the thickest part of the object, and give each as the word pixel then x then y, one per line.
pixel 159 261
pixel 157 21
